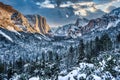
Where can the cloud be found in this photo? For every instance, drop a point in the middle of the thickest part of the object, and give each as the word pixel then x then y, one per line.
pixel 45 4
pixel 110 8
pixel 87 10
pixel 111 4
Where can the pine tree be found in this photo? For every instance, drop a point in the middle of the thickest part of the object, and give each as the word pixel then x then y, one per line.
pixel 1 67
pixel 117 42
pixel 105 42
pixel 70 56
pixel 43 61
pixel 10 73
pixel 87 51
pixel 81 50
pixel 118 38
pixel 97 44
pixel 19 63
pixel 50 56
pixel 92 50
pixel 57 59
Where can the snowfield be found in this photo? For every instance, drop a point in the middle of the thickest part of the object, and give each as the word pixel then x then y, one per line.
pixel 6 36
pixel 34 78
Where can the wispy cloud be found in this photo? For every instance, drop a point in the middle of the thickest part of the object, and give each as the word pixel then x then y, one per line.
pixel 104 7
pixel 46 4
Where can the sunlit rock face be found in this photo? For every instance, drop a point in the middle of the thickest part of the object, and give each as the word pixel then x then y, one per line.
pixel 11 19
pixel 5 18
pixel 39 23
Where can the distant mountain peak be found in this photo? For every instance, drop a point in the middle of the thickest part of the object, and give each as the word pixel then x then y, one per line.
pixel 84 26
pixel 115 12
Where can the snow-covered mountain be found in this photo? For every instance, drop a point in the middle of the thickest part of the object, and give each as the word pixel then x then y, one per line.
pixel 83 26
pixel 72 30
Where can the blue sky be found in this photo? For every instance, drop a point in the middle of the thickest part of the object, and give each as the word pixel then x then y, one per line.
pixel 56 17
pixel 100 4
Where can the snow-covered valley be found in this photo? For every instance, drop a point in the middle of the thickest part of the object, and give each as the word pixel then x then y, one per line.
pixel 32 56
pixel 84 50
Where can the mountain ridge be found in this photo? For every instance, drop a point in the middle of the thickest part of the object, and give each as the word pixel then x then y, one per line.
pixel 84 26
pixel 11 19
pixel 39 23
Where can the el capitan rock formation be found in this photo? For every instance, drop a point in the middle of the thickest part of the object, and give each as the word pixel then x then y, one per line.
pixel 11 19
pixel 39 23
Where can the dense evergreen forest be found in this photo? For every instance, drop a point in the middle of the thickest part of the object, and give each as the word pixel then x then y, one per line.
pixel 50 64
